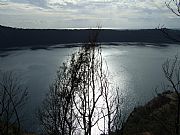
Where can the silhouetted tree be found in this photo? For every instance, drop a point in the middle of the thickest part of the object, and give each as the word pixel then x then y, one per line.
pixel 113 102
pixel 80 97
pixel 174 6
pixel 118 120
pixel 56 114
pixel 95 99
pixel 13 96
pixel 171 69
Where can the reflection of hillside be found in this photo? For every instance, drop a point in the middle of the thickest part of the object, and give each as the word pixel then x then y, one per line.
pixel 13 37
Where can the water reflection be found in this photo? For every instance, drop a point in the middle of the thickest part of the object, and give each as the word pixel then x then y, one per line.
pixel 120 76
pixel 135 70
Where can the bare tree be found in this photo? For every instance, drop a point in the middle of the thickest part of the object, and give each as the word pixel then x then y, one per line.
pixel 171 69
pixel 80 97
pixel 95 99
pixel 118 119
pixel 56 114
pixel 90 87
pixel 174 6
pixel 110 105
pixel 113 102
pixel 13 96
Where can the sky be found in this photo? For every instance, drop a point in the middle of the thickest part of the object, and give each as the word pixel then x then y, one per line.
pixel 117 14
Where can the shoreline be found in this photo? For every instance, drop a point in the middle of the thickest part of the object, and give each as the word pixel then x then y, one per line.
pixel 72 45
pixel 13 37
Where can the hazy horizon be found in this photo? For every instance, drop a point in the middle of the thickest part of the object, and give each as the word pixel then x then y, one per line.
pixel 84 28
pixel 73 14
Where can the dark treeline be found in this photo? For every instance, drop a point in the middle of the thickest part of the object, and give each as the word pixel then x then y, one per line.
pixel 16 37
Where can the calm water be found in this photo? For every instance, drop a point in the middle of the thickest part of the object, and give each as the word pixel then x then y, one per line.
pixel 136 70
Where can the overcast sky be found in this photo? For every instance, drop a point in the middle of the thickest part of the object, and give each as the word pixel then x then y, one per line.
pixel 121 14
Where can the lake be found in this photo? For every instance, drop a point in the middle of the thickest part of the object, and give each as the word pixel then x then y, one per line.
pixel 135 69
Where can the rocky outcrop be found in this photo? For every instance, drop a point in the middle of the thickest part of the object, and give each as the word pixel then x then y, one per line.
pixel 157 117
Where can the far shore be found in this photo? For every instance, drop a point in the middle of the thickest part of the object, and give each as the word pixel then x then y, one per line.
pixel 104 44
pixel 12 38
